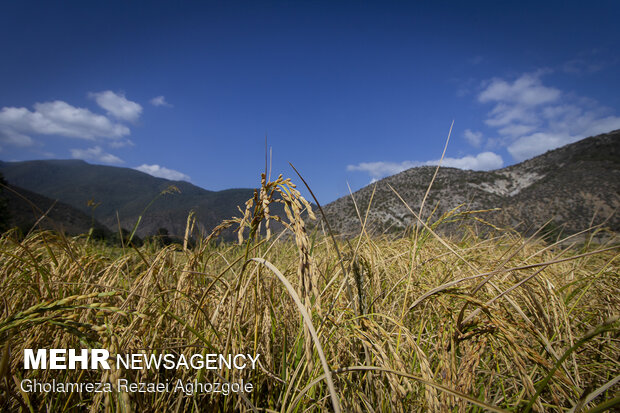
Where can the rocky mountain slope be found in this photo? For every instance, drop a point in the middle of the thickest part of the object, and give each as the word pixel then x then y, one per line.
pixel 574 186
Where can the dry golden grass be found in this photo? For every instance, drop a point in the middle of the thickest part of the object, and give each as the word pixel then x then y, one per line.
pixel 417 323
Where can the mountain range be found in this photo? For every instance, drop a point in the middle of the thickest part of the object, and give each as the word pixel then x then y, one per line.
pixel 26 208
pixel 118 196
pixel 572 187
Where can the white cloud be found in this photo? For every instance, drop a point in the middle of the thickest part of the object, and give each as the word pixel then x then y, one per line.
pixel 532 118
pixel 516 129
pixel 11 137
pixel 121 143
pixel 159 101
pixel 505 114
pixel 560 111
pixel 95 154
pixel 474 138
pixel 601 125
pixel 55 118
pixel 528 146
pixel 162 172
pixel 537 143
pixel 378 170
pixel 482 162
pixel 117 105
pixel 527 90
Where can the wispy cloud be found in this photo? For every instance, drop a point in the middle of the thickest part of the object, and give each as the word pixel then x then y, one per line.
pixel 589 62
pixel 582 66
pixel 162 172
pixel 476 60
pixel 11 137
pixel 526 91
pixel 380 169
pixel 160 101
pixel 95 154
pixel 117 105
pixel 121 143
pixel 531 118
pixel 474 138
pixel 17 124
pixel 483 161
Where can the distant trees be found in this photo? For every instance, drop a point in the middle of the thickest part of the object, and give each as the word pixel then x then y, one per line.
pixel 160 238
pixel 114 238
pixel 163 238
pixel 4 209
pixel 127 239
pixel 98 234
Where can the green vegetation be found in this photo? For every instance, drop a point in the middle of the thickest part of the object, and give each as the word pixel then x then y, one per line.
pixel 419 322
pixel 4 210
pixel 112 194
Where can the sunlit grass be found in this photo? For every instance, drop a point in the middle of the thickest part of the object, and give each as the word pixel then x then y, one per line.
pixel 421 322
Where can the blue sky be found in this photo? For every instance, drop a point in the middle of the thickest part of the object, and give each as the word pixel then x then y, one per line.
pixel 346 91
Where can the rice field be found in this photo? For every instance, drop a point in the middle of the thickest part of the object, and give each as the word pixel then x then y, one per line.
pixel 411 323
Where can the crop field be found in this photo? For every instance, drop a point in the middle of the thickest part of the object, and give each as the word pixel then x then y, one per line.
pixel 422 321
